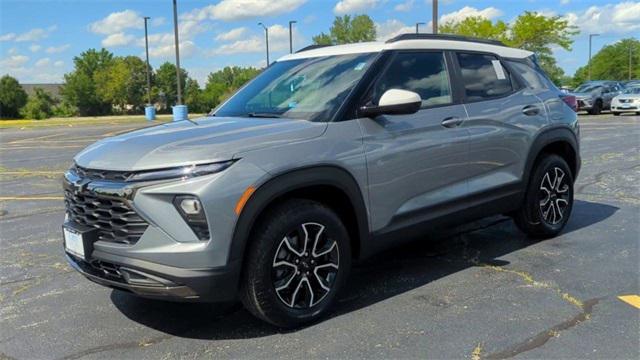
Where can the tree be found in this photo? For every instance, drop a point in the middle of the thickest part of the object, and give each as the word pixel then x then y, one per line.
pixel 39 106
pixel 123 82
pixel 79 89
pixel 530 31
pixel 166 83
pixel 612 63
pixel 222 83
pixel 193 97
pixel 346 30
pixel 12 97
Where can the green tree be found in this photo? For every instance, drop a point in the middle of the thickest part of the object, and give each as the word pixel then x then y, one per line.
pixel 347 29
pixel 222 83
pixel 12 97
pixel 166 83
pixel 123 82
pixel 80 89
pixel 39 106
pixel 530 31
pixel 612 63
pixel 193 97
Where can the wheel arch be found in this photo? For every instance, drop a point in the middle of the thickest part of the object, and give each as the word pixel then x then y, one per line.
pixel 559 140
pixel 328 184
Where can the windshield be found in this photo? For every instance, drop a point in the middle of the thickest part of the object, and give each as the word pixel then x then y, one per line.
pixel 632 90
pixel 310 89
pixel 587 88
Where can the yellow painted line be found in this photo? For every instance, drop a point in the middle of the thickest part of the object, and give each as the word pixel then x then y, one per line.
pixel 31 172
pixel 34 138
pixel 633 300
pixel 30 198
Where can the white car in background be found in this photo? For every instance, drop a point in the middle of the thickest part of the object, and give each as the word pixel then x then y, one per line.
pixel 628 101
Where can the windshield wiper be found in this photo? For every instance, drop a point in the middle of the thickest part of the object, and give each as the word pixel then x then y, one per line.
pixel 263 115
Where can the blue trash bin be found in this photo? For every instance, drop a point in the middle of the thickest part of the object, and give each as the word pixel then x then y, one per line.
pixel 150 112
pixel 180 112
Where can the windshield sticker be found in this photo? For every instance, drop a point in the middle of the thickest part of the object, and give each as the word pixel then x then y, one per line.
pixel 360 66
pixel 497 67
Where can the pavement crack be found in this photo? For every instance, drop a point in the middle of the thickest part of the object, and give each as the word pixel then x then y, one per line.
pixel 118 346
pixel 543 337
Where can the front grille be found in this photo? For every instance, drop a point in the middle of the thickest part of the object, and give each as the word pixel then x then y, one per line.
pixel 114 219
pixel 94 174
pixel 623 101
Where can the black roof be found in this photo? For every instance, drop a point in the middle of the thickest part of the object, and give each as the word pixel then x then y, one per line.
pixel 311 47
pixel 412 36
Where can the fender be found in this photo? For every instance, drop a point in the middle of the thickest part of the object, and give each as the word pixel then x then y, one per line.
pixel 548 136
pixel 292 180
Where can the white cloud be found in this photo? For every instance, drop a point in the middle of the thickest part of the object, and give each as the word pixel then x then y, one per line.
pixel 404 6
pixel 158 21
pixel 187 49
pixel 43 62
pixel 7 37
pixel 35 48
pixel 232 10
pixel 621 18
pixel 565 2
pixel 352 6
pixel 233 34
pixel 468 11
pixel 254 44
pixel 57 49
pixel 58 63
pixel 118 39
pixel 278 41
pixel 35 34
pixel 391 28
pixel 13 61
pixel 117 22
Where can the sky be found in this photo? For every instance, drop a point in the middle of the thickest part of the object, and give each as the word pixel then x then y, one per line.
pixel 38 39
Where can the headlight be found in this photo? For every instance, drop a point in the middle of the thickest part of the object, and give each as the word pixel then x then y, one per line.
pixel 180 172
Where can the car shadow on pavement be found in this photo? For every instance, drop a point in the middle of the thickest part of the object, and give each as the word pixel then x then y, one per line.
pixel 388 274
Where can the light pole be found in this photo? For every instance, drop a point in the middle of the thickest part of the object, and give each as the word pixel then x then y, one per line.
pixel 266 36
pixel 630 43
pixel 417 25
pixel 589 65
pixel 291 36
pixel 149 110
pixel 434 21
pixel 175 32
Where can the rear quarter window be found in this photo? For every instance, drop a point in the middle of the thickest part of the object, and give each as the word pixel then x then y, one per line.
pixel 531 76
pixel 483 76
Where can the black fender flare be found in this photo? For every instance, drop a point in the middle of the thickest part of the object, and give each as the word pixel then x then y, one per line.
pixel 559 133
pixel 283 183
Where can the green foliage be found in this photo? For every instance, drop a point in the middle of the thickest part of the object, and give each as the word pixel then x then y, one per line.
pixel 64 109
pixel 12 97
pixel 122 83
pixel 612 63
pixel 346 30
pixel 530 31
pixel 166 83
pixel 39 106
pixel 193 97
pixel 222 83
pixel 80 89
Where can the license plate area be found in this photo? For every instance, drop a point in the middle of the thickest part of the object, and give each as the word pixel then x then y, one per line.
pixel 78 240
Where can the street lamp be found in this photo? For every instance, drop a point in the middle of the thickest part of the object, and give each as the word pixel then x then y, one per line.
pixel 434 20
pixel 590 37
pixel 418 24
pixel 149 109
pixel 266 36
pixel 291 36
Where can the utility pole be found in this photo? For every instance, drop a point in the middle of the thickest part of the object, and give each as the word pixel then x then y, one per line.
pixel 291 36
pixel 630 44
pixel 175 32
pixel 418 24
pixel 434 21
pixel 589 65
pixel 146 48
pixel 266 35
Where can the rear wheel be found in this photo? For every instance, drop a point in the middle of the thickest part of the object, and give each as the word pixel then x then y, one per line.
pixel 548 199
pixel 298 260
pixel 616 114
pixel 597 108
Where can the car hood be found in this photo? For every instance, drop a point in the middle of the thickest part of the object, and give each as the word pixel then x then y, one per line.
pixel 582 94
pixel 180 143
pixel 628 96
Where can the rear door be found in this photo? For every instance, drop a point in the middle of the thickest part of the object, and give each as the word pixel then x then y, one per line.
pixel 503 117
pixel 415 161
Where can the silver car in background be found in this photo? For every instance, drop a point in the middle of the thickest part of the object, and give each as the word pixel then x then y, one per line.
pixel 628 101
pixel 595 96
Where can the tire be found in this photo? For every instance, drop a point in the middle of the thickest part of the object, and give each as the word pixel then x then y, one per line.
pixel 597 108
pixel 637 112
pixel 286 283
pixel 616 114
pixel 548 202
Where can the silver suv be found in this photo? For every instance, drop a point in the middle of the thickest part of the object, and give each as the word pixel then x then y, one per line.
pixel 330 155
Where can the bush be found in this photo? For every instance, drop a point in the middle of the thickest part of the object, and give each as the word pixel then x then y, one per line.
pixel 64 109
pixel 12 97
pixel 39 106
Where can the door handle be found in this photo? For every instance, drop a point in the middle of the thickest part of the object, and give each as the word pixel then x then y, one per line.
pixel 451 122
pixel 531 110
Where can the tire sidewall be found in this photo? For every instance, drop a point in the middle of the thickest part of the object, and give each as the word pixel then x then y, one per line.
pixel 533 205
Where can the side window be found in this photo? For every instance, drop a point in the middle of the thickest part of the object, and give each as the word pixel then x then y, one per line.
pixel 530 75
pixel 422 72
pixel 483 76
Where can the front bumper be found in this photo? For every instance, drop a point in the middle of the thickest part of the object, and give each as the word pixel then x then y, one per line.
pixel 158 281
pixel 584 104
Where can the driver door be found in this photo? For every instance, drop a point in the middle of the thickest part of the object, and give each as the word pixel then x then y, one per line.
pixel 418 161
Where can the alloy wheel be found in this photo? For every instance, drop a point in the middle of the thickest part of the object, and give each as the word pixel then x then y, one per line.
pixel 305 266
pixel 554 196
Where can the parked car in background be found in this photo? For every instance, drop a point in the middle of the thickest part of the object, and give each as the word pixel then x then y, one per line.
pixel 628 101
pixel 595 96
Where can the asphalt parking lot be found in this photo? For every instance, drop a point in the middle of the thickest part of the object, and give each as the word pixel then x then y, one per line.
pixel 478 291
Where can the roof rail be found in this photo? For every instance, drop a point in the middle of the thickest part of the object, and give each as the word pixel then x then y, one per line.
pixel 450 37
pixel 311 47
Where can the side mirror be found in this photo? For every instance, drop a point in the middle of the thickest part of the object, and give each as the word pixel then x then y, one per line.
pixel 394 102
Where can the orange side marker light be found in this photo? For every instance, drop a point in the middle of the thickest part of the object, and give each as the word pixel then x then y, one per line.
pixel 243 199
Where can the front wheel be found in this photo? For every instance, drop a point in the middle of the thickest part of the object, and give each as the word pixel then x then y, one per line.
pixel 298 260
pixel 548 199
